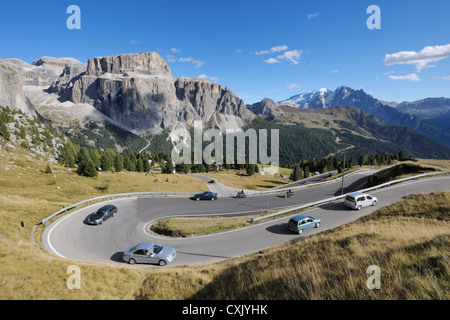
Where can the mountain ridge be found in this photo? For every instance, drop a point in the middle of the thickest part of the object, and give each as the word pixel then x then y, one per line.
pixel 137 93
pixel 392 113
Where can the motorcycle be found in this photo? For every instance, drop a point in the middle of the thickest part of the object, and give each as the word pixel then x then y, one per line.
pixel 289 194
pixel 241 195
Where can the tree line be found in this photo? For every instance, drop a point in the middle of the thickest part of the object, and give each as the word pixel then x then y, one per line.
pixel 89 161
pixel 304 168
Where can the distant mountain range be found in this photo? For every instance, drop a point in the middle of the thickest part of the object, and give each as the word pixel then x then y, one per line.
pixel 127 101
pixel 428 116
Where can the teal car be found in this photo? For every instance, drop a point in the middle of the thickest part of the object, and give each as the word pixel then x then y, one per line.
pixel 300 223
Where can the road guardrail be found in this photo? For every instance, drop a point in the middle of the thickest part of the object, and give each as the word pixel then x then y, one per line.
pixel 110 197
pixel 312 204
pixel 168 193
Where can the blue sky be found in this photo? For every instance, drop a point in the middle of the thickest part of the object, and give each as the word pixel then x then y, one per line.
pixel 258 49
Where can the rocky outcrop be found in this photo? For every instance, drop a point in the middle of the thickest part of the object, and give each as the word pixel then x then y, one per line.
pixel 17 75
pixel 138 91
pixel 42 72
pixel 148 63
pixel 213 103
pixel 12 93
pixel 267 108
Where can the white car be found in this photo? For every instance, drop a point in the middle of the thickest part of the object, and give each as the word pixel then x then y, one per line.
pixel 359 200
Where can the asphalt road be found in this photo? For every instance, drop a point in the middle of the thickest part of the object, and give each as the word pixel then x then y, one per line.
pixel 71 238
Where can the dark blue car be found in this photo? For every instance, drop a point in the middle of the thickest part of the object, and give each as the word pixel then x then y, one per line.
pixel 102 214
pixel 207 195
pixel 300 223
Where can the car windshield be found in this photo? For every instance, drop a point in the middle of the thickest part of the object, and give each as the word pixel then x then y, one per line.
pixel 157 249
pixel 99 213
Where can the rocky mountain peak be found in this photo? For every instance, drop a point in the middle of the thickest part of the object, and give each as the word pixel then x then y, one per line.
pixel 59 62
pixel 266 108
pixel 147 64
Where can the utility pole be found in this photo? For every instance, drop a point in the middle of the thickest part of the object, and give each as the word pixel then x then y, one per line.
pixel 343 174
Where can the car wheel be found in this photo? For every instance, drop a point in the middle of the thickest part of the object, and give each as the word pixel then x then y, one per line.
pixel 359 208
pixel 162 263
pixel 374 203
pixel 131 261
pixel 197 199
pixel 317 224
pixel 114 214
pixel 101 222
pixel 300 231
pixel 212 199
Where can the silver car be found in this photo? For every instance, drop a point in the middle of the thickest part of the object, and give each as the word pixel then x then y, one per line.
pixel 149 252
pixel 358 200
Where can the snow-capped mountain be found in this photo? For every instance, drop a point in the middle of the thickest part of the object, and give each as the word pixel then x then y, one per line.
pixel 302 100
pixel 348 97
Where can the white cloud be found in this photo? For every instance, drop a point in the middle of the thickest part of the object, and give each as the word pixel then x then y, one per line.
pixel 292 86
pixel 441 78
pixel 333 71
pixel 170 58
pixel 205 77
pixel 135 41
pixel 279 48
pixel 409 77
pixel 272 61
pixel 292 56
pixel 313 15
pixel 273 50
pixel 174 50
pixel 421 59
pixel 197 63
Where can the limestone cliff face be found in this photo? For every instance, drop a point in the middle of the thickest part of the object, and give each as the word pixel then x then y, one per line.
pixel 138 91
pixel 11 89
pixel 148 63
pixel 17 75
pixel 211 102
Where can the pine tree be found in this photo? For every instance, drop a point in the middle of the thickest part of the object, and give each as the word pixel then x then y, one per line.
pixel 48 169
pixel 297 173
pixel 169 166
pixel 250 169
pixel 82 159
pixel 118 162
pixel 146 164
pixel 307 173
pixel 95 156
pixel 89 169
pixel 140 165
pixel 107 160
